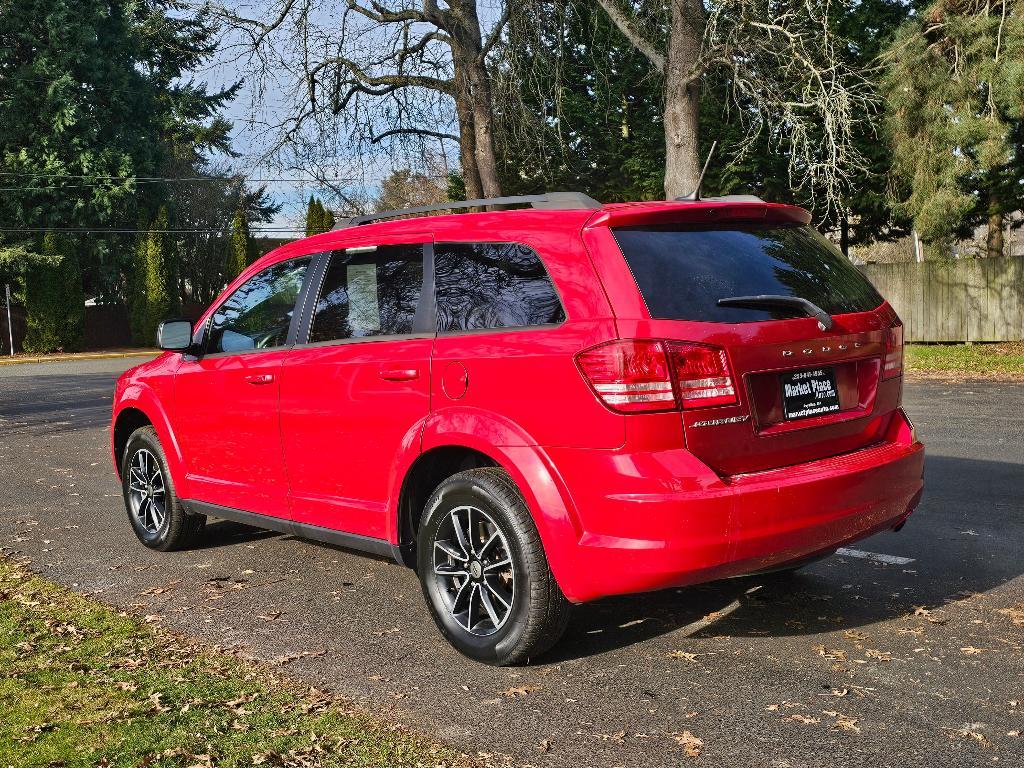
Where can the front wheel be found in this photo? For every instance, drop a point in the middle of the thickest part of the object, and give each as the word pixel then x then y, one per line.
pixel 484 573
pixel 154 510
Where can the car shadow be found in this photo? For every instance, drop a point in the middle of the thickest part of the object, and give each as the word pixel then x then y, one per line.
pixel 954 538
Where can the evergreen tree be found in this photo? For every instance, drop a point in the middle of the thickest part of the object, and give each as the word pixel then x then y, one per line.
pixel 135 286
pixel 240 246
pixel 955 94
pixel 318 218
pixel 157 279
pixel 54 299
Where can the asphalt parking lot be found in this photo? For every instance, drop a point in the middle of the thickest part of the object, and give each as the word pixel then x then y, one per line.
pixel 914 661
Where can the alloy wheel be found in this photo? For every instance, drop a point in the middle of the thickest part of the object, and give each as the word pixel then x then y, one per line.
pixel 147 495
pixel 473 570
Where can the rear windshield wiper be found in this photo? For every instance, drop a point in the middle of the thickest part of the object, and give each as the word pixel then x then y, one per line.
pixel 793 302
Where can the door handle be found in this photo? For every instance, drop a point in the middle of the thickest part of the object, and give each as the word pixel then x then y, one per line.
pixel 260 378
pixel 399 374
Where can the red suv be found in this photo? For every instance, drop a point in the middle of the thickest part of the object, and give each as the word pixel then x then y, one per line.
pixel 535 408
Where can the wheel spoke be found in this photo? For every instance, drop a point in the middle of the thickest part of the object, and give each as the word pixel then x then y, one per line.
pixel 448 569
pixel 489 607
pixel 492 567
pixel 158 515
pixel 496 536
pixel 496 594
pixel 460 534
pixel 470 623
pixel 450 551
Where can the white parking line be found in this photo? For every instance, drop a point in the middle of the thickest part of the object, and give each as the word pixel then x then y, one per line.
pixel 878 558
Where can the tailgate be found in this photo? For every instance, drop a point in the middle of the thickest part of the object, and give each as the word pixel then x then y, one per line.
pixel 756 433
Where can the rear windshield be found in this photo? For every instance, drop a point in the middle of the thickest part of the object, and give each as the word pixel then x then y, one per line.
pixel 683 272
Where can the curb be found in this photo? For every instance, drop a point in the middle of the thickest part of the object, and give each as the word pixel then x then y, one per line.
pixel 72 358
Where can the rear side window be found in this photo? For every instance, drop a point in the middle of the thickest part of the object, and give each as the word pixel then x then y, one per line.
pixel 492 285
pixel 683 272
pixel 369 293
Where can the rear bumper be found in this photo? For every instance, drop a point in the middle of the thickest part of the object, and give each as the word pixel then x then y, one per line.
pixel 674 522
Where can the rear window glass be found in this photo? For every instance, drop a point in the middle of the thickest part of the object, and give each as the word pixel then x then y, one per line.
pixel 683 272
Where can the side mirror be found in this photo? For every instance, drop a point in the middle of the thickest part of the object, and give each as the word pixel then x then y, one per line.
pixel 174 335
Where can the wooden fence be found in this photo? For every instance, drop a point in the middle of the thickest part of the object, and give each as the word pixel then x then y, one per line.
pixel 956 300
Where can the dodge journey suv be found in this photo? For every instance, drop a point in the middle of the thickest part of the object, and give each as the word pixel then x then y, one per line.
pixel 535 407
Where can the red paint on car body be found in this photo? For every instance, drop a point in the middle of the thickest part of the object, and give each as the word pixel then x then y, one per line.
pixel 624 501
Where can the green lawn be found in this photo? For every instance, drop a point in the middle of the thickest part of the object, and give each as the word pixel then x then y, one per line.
pixel 981 359
pixel 84 685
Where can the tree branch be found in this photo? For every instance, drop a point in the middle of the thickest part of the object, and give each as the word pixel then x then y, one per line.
pixel 412 131
pixel 628 27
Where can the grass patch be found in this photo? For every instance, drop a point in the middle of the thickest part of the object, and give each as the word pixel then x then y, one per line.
pixel 82 684
pixel 974 359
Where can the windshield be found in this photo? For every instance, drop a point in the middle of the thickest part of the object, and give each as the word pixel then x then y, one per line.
pixel 682 272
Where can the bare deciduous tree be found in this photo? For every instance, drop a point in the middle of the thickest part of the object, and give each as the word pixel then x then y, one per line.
pixel 786 75
pixel 380 73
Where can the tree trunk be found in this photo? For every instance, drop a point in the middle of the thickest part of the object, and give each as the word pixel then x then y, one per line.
pixel 682 99
pixel 467 131
pixel 994 241
pixel 483 124
pixel 844 236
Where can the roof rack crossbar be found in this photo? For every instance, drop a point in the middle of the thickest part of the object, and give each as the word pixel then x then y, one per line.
pixel 547 201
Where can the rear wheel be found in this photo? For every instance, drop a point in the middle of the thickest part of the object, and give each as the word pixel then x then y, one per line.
pixel 483 570
pixel 156 514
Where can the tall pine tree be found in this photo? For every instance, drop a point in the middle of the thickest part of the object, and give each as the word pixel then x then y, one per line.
pixel 955 92
pixel 54 300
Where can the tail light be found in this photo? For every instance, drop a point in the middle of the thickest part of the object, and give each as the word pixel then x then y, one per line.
pixel 643 376
pixel 893 363
pixel 702 375
pixel 629 376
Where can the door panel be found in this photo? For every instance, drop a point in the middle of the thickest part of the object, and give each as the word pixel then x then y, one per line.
pixel 346 411
pixel 226 401
pixel 355 398
pixel 229 430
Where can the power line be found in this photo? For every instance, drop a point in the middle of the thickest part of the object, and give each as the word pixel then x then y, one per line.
pixel 87 231
pixel 239 177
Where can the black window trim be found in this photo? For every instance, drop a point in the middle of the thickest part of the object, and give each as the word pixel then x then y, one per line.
pixel 504 328
pixel 205 335
pixel 424 324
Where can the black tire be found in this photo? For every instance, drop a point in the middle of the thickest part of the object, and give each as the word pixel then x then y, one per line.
pixel 536 612
pixel 174 529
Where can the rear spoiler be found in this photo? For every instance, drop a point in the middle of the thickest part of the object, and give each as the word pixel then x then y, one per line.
pixel 707 211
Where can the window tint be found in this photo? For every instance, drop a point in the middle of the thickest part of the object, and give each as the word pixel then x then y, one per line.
pixel 682 273
pixel 257 315
pixel 369 294
pixel 492 285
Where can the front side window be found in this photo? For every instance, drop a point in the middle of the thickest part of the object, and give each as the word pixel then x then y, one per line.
pixel 257 315
pixel 492 285
pixel 369 293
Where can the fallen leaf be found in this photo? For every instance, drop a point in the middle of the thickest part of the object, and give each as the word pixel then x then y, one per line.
pixel 970 650
pixel 805 719
pixel 1016 614
pixel 843 722
pixel 520 690
pixel 853 634
pixel 690 743
pixel 880 655
pixel 833 654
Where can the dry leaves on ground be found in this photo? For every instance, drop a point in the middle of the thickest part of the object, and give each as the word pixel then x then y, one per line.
pixel 520 690
pixel 690 743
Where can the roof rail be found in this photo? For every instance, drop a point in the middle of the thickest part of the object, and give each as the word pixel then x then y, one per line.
pixel 724 199
pixel 547 201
